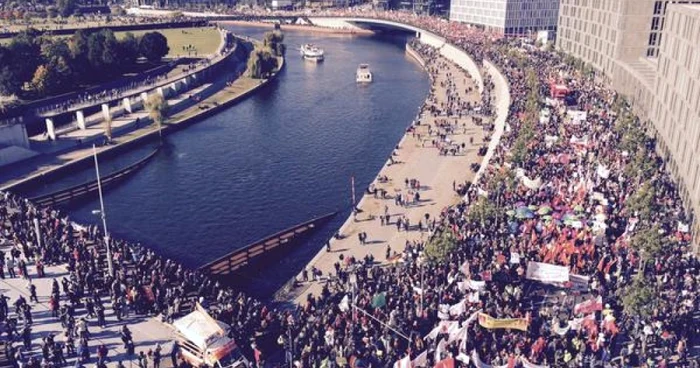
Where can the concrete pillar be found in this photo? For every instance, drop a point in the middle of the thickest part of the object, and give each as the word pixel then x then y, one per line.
pixel 161 92
pixel 144 98
pixel 81 119
pixel 105 112
pixel 50 129
pixel 185 81
pixel 127 104
pixel 173 86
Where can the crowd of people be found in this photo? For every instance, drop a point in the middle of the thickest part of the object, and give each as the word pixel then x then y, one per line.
pixel 558 192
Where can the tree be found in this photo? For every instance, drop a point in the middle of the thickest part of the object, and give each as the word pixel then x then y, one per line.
pixel 128 49
pixel 42 82
pixel 26 55
pixel 261 62
pixel 483 211
pixel 95 50
pixel 110 53
pixel 649 243
pixel 440 247
pixel 153 46
pixel 273 40
pixel 643 201
pixel 10 83
pixel 66 7
pixel 638 298
pixel 157 108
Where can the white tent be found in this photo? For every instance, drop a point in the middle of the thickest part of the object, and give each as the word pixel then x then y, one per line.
pixel 200 328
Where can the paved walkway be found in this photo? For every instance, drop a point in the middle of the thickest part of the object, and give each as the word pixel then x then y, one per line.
pixel 146 331
pixel 415 159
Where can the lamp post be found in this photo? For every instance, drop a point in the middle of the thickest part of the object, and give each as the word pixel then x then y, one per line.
pixel 102 213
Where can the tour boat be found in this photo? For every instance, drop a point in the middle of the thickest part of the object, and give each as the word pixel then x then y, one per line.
pixel 311 52
pixel 364 75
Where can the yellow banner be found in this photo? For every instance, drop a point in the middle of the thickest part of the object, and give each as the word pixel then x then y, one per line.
pixel 489 322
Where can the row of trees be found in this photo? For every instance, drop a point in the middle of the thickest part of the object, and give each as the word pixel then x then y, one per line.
pixel 263 59
pixel 35 66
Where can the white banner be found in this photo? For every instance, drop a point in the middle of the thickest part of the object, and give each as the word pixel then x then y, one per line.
pixel 457 309
pixel 421 360
pixel 444 327
pixel 547 273
pixel 579 282
pixel 527 364
pixel 404 362
pixel 603 171
pixel 476 285
pixel 480 364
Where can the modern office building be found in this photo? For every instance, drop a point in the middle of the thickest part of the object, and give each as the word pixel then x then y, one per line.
pixel 507 16
pixel 649 50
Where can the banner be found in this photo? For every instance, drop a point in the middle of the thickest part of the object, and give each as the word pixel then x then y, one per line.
pixel 344 304
pixel 589 306
pixel 476 285
pixel 443 311
pixel 547 273
pixel 579 282
pixel 480 364
pixel 489 322
pixel 527 364
pixel 421 360
pixel 444 327
pixel 441 348
pixel 457 309
pixel 404 362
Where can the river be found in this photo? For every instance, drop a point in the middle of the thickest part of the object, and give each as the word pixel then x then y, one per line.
pixel 274 160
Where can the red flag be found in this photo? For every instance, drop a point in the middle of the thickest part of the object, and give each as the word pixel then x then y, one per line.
pixel 446 363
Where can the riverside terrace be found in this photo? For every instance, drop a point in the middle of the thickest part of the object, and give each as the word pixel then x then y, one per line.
pixel 596 197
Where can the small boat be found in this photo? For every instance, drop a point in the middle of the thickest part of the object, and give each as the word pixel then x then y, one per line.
pixel 364 75
pixel 311 52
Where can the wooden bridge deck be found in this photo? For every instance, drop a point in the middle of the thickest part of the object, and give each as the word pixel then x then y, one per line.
pixel 242 257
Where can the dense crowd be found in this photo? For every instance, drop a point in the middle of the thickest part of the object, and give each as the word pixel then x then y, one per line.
pixel 557 191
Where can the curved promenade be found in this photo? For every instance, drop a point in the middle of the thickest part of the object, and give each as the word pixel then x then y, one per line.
pixel 414 159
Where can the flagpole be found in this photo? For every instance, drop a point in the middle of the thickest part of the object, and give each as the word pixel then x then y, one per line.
pixel 102 213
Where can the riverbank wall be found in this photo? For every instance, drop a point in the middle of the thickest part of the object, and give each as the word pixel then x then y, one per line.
pixel 413 54
pixel 150 136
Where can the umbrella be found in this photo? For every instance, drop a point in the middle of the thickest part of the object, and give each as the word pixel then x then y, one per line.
pixel 510 212
pixel 544 210
pixel 379 300
pixel 578 208
pixel 523 213
pixel 532 207
pixel 547 217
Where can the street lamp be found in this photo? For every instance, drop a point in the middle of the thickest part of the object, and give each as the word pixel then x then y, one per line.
pixel 102 213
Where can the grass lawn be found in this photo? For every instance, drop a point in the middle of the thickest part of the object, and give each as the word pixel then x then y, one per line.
pixel 203 41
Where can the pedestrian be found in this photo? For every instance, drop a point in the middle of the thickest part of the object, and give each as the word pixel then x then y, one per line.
pixel 32 292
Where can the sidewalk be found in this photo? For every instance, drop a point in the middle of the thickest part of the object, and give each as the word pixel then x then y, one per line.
pixel 415 159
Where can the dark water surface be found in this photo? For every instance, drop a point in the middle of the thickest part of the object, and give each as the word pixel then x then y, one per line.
pixel 274 160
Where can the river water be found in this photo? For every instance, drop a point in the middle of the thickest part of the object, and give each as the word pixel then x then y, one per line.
pixel 278 158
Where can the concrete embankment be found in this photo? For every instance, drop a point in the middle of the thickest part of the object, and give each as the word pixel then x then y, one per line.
pixel 240 89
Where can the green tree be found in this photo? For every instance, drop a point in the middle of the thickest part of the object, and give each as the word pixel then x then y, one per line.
pixel 95 50
pixel 649 243
pixel 643 201
pixel 261 62
pixel 638 298
pixel 483 211
pixel 51 11
pixel 157 108
pixel 153 46
pixel 128 49
pixel 274 41
pixel 441 246
pixel 110 53
pixel 10 84
pixel 26 55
